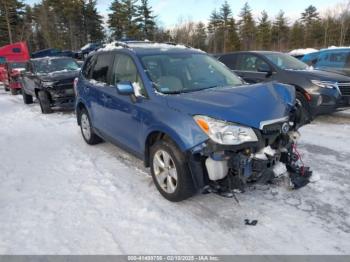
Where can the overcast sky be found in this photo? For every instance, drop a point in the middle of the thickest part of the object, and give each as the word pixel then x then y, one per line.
pixel 169 12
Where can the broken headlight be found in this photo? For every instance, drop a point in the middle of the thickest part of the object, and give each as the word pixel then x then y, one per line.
pixel 225 133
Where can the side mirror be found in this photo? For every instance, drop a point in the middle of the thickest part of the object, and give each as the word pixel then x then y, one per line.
pixel 264 68
pixel 125 88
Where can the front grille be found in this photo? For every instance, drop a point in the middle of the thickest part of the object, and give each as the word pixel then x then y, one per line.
pixel 62 90
pixel 344 88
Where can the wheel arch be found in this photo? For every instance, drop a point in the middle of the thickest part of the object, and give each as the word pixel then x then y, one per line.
pixel 79 107
pixel 156 135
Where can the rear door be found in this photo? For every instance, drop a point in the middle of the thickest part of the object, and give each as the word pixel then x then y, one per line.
pixel 247 66
pixel 334 61
pixel 95 89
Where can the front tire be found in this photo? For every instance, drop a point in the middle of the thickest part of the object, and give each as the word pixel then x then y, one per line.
pixel 306 116
pixel 44 102
pixel 27 99
pixel 13 91
pixel 170 172
pixel 86 129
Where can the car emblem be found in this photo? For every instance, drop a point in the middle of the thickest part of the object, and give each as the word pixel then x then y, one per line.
pixel 285 128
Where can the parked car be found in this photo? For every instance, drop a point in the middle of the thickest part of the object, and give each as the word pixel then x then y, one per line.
pixel 12 76
pixel 50 80
pixel 53 52
pixel 193 121
pixel 311 58
pixel 49 52
pixel 87 49
pixel 317 91
pixel 333 60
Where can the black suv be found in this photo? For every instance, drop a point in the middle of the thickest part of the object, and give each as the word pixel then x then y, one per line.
pixel 51 81
pixel 318 91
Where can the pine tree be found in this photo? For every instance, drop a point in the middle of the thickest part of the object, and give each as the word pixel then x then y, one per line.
pixel 247 27
pixel 215 32
pixel 129 18
pixel 93 22
pixel 11 20
pixel 225 15
pixel 310 19
pixel 115 21
pixel 264 32
pixel 233 37
pixel 296 35
pixel 200 37
pixel 280 31
pixel 145 20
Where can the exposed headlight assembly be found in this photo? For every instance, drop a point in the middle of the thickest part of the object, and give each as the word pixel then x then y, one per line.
pixel 325 84
pixel 225 133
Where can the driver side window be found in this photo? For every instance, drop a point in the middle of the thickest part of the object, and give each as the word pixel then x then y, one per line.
pixel 125 70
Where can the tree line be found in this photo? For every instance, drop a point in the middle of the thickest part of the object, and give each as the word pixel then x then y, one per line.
pixel 70 24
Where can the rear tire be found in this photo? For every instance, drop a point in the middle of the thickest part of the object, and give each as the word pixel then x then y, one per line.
pixel 44 102
pixel 6 89
pixel 86 129
pixel 13 91
pixel 27 99
pixel 306 116
pixel 170 172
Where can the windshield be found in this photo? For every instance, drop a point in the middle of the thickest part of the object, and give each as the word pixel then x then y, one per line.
pixel 17 65
pixel 55 65
pixel 285 61
pixel 180 73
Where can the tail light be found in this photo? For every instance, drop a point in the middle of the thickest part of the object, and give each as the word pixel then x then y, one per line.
pixel 75 85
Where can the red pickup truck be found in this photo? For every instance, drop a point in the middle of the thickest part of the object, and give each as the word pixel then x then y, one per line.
pixel 15 55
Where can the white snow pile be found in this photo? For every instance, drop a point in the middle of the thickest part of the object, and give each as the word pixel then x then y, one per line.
pixel 336 47
pixel 302 51
pixel 111 46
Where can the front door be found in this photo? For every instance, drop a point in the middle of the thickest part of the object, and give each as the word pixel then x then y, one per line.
pixel 125 112
pixel 247 67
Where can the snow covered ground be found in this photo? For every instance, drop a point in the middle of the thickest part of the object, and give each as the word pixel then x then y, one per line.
pixel 61 196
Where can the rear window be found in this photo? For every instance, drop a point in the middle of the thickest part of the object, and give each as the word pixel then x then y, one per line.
pixel 16 50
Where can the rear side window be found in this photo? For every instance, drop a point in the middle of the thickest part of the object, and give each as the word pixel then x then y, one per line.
pixel 229 61
pixel 333 59
pixel 250 63
pixel 16 50
pixel 101 68
pixel 88 65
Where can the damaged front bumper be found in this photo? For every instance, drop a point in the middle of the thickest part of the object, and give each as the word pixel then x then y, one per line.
pixel 227 169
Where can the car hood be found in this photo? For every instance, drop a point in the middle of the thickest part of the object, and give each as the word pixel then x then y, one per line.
pixel 59 76
pixel 314 74
pixel 246 105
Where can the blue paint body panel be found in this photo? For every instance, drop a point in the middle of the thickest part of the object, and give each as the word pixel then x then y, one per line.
pixel 127 122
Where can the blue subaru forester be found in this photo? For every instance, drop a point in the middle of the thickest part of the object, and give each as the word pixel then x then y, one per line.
pixel 193 122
